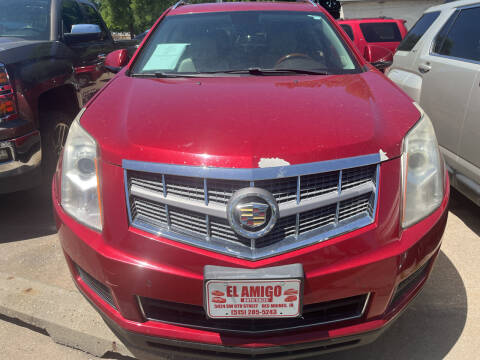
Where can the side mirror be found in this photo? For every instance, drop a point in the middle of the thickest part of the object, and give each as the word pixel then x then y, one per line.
pixel 83 33
pixel 116 60
pixel 379 56
pixel 382 65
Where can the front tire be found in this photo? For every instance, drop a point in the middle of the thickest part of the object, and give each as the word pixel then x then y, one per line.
pixel 54 130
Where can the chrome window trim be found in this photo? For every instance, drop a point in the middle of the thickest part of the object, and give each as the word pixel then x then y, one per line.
pixel 349 318
pixel 289 243
pixel 455 58
pixel 455 11
pixel 465 7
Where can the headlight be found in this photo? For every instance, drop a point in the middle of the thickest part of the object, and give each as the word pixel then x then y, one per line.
pixel 80 183
pixel 423 172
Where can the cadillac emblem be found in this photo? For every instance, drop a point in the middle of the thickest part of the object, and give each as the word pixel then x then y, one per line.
pixel 252 215
pixel 252 212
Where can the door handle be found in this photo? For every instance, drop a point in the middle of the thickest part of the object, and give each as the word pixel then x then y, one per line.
pixel 424 68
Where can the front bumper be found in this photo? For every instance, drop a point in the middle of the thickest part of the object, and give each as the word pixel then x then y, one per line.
pixel 22 169
pixel 152 348
pixel 132 264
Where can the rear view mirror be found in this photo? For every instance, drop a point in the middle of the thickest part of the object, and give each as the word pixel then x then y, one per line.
pixel 116 60
pixel 83 33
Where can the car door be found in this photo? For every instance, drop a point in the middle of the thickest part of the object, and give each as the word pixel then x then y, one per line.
pixel 448 77
pixel 469 147
pixel 89 55
pixel 403 71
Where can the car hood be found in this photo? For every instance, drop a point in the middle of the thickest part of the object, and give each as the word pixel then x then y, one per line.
pixel 14 49
pixel 249 121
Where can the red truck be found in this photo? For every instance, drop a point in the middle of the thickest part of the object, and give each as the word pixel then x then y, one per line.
pixel 377 39
pixel 249 186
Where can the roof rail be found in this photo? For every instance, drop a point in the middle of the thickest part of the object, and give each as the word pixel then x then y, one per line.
pixel 312 2
pixel 180 3
pixel 183 2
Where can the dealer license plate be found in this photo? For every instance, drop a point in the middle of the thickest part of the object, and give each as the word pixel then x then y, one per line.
pixel 253 298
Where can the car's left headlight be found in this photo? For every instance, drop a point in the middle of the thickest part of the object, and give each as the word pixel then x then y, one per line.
pixel 80 181
pixel 423 172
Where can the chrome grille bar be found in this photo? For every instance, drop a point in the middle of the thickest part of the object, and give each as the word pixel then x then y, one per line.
pixel 313 205
pixel 221 212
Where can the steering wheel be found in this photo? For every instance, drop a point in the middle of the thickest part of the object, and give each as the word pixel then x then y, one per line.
pixel 291 56
pixel 32 29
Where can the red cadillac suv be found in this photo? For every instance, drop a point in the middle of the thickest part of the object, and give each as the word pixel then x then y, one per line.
pixel 249 187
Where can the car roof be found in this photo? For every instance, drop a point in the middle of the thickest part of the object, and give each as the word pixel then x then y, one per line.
pixel 452 5
pixel 369 20
pixel 245 6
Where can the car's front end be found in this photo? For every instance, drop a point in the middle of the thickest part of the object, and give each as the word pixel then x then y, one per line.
pixel 205 220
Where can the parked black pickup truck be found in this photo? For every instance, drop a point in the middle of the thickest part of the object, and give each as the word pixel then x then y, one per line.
pixel 51 64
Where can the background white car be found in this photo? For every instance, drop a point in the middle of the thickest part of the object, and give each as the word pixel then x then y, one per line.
pixel 438 65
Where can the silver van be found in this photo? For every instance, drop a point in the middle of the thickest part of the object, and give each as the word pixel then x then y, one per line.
pixel 438 65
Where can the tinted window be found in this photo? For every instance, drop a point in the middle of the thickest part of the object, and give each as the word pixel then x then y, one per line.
pixel 439 40
pixel 381 32
pixel 71 15
pixel 348 30
pixel 29 19
pixel 225 41
pixel 463 38
pixel 416 33
pixel 92 17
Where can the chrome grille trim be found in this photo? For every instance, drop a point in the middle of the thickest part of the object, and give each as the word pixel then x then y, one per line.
pixel 220 211
pixel 252 174
pixel 202 221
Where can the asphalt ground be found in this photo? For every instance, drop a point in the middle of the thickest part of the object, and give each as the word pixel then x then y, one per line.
pixel 442 323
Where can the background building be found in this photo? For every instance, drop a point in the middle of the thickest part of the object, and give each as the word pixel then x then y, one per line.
pixel 409 10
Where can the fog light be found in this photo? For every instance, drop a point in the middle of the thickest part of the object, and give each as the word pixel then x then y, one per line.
pixel 4 155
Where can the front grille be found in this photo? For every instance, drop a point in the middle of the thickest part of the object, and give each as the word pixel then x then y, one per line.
pixel 195 317
pixel 314 206
pixel 97 287
pixel 354 206
pixel 220 191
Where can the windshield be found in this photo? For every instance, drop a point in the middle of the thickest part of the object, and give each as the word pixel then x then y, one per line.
pixel 231 41
pixel 29 19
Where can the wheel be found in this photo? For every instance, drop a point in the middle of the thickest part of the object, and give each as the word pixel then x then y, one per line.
pixel 54 130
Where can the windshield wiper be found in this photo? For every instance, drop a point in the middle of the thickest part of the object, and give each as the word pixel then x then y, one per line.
pixel 251 71
pixel 166 75
pixel 260 71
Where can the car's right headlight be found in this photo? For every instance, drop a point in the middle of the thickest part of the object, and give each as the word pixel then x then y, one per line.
pixel 80 182
pixel 423 172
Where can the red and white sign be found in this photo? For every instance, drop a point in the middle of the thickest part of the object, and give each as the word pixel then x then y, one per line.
pixel 253 298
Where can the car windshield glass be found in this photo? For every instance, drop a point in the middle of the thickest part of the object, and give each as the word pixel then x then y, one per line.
pixel 29 19
pixel 233 41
